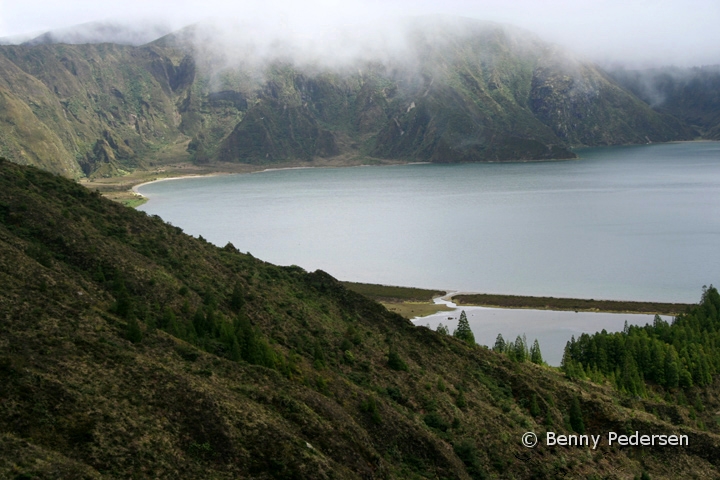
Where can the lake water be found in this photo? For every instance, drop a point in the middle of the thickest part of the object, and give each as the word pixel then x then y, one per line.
pixel 633 223
pixel 552 329
pixel 628 223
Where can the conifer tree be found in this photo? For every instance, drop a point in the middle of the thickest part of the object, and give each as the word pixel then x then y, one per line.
pixel 630 379
pixel 123 305
pixel 235 352
pixel 463 331
pixel 174 328
pixel 237 300
pixel 227 334
pixel 686 380
pixel 535 355
pixel 573 370
pixel 134 334
pixel 199 321
pixel 168 319
pixel 460 399
pixel 211 321
pixel 99 275
pixel 519 351
pixel 499 344
pixel 534 407
pixel 395 361
pixel 576 419
pixel 318 356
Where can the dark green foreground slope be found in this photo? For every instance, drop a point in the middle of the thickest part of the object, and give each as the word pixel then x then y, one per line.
pixel 131 350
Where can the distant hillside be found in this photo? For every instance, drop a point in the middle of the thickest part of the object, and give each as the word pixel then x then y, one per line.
pixel 690 94
pixel 130 349
pixel 458 91
pixel 89 109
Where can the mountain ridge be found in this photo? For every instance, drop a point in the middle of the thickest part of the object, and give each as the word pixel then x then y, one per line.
pixel 473 92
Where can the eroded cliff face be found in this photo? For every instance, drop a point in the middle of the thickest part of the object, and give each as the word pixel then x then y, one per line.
pixel 477 93
pixel 585 107
pixel 90 109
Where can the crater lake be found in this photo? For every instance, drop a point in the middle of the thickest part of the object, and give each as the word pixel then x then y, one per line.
pixel 627 223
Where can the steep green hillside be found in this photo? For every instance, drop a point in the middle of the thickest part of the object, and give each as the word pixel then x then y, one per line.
pixel 492 93
pixel 690 94
pixel 458 91
pixel 89 109
pixel 130 349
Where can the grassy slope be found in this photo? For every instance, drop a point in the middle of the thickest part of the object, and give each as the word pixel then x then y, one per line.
pixel 94 108
pixel 391 293
pixel 22 135
pixel 81 401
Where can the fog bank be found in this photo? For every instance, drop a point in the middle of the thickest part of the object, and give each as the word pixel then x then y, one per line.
pixel 634 33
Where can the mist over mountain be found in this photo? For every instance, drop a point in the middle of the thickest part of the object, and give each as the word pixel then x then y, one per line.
pixel 690 94
pixel 634 33
pixel 136 33
pixel 440 89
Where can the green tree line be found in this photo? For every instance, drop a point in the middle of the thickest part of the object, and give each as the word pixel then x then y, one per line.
pixel 674 355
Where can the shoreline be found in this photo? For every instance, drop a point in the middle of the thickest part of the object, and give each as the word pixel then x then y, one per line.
pixel 408 296
pixel 563 304
pixel 180 177
pixel 251 172
pixel 450 304
pixel 123 189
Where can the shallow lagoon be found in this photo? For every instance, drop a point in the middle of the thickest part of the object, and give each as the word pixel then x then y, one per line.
pixel 551 328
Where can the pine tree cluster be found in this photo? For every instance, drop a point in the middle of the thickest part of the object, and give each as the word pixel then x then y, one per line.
pixel 675 355
pixel 518 350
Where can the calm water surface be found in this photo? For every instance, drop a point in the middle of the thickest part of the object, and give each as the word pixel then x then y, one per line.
pixel 552 329
pixel 635 223
pixel 627 223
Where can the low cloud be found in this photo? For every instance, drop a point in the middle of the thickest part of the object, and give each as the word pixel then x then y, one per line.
pixel 636 33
